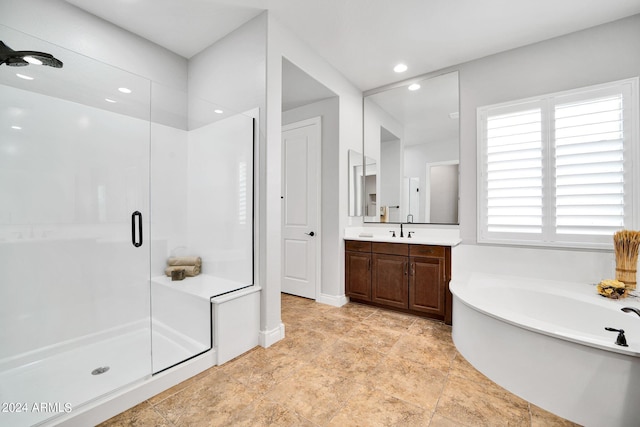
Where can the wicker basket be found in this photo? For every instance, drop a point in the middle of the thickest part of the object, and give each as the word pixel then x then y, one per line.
pixel 627 245
pixel 628 277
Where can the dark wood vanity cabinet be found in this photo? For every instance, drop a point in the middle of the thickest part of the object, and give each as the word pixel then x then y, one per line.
pixel 358 270
pixel 406 277
pixel 388 280
pixel 389 274
pixel 429 274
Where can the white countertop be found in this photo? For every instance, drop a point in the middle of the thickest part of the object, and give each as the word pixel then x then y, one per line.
pixel 420 236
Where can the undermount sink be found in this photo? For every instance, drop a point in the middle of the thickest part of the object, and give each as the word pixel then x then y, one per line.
pixel 420 236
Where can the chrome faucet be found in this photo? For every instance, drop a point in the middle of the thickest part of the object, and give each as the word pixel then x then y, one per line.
pixel 631 309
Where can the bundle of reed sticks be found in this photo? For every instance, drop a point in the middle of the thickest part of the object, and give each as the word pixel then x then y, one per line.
pixel 626 244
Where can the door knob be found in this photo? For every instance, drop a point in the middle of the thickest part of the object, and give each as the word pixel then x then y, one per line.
pixel 310 234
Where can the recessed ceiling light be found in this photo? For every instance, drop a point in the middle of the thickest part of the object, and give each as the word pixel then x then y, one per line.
pixel 110 100
pixel 16 127
pixel 32 60
pixel 22 76
pixel 218 111
pixel 400 68
pixel 124 89
pixel 414 86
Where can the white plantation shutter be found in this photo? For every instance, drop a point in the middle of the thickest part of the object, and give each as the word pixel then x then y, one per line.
pixel 589 155
pixel 556 170
pixel 514 172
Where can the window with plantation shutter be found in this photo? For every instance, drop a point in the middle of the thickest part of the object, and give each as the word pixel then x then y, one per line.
pixel 557 170
pixel 514 172
pixel 589 156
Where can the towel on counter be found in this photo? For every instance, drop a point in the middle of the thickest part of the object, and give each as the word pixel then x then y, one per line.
pixel 189 270
pixel 185 261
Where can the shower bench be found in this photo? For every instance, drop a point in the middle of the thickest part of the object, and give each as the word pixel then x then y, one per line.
pixel 220 315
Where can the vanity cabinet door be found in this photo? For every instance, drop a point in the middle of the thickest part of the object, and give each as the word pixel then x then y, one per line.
pixel 426 285
pixel 358 275
pixel 390 280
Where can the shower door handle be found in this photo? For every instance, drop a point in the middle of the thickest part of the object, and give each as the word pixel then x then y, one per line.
pixel 136 217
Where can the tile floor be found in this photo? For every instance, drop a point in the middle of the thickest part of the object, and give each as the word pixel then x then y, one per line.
pixel 350 366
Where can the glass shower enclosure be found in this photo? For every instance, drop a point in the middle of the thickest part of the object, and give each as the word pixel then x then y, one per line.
pixel 74 230
pixel 103 176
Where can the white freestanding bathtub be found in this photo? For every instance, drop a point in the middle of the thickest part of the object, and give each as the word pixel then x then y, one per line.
pixel 545 341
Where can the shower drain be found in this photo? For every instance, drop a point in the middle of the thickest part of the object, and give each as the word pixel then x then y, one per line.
pixel 100 370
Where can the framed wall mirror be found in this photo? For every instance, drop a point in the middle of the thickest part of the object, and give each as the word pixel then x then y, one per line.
pixel 411 143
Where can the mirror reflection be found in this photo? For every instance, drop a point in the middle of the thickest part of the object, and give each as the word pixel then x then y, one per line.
pixel 411 141
pixel 361 187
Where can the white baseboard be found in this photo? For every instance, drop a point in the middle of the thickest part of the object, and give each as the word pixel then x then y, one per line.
pixel 333 300
pixel 268 338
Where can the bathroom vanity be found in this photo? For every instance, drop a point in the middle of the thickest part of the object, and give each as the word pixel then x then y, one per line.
pixel 409 277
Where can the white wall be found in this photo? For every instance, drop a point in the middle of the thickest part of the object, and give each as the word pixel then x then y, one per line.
pixel 58 22
pixel 547 264
pixel 168 194
pixel 219 214
pixel 417 156
pixel 230 73
pixel 100 152
pixel 600 54
pixel 61 23
pixel 283 43
pixel 330 149
pixel 605 53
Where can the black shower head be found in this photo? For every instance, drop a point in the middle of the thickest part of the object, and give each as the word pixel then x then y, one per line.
pixel 20 58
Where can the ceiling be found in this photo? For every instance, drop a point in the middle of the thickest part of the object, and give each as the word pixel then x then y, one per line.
pixel 185 27
pixel 364 39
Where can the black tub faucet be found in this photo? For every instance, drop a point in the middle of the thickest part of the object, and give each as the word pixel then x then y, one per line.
pixel 631 309
pixel 401 233
pixel 621 340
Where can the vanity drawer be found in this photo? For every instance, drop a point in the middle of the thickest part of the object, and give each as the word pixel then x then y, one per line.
pixel 426 251
pixel 390 248
pixel 357 246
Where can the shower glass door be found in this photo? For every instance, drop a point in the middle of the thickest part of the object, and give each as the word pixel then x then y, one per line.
pixel 74 253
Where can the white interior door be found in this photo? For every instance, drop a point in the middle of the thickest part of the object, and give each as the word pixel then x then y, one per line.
pixel 300 219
